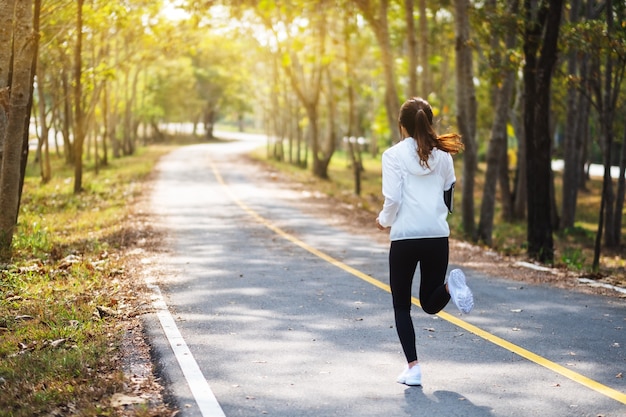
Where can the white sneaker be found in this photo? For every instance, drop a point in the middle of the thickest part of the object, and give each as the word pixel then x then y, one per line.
pixel 459 291
pixel 402 377
pixel 411 376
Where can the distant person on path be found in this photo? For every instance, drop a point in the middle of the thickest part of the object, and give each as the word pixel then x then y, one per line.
pixel 418 182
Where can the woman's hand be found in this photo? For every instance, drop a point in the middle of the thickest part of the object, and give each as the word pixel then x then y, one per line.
pixel 380 226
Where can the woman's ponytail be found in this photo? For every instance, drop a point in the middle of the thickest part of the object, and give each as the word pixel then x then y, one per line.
pixel 416 115
pixel 424 135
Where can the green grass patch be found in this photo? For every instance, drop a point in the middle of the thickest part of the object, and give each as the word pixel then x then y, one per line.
pixel 59 299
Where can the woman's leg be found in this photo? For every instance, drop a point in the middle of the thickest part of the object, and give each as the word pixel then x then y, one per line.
pixel 433 266
pixel 403 258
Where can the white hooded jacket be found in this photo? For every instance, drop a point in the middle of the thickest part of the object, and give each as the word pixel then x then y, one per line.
pixel 414 206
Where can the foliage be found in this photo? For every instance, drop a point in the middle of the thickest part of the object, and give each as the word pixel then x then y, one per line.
pixel 63 297
pixel 574 248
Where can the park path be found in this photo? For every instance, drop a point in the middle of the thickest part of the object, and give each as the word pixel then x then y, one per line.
pixel 280 312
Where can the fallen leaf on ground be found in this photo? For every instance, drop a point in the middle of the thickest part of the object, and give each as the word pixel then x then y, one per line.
pixel 119 400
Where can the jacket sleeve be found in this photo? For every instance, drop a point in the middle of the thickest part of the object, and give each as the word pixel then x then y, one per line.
pixel 392 189
pixel 449 177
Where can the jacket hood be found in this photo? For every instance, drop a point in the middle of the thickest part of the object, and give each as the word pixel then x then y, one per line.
pixel 411 160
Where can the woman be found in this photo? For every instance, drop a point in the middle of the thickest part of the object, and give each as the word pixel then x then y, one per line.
pixel 417 173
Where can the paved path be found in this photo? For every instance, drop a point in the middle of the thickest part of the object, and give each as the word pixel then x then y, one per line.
pixel 277 312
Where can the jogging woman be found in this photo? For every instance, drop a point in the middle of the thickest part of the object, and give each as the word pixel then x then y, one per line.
pixel 418 182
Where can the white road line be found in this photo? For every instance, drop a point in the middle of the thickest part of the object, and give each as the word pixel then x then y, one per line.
pixel 207 403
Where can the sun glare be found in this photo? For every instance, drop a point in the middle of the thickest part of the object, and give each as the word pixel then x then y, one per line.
pixel 173 10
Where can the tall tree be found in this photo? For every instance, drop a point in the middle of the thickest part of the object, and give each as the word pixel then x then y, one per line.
pixel 519 188
pixel 308 89
pixel 14 109
pixel 608 69
pixel 354 150
pixel 425 83
pixel 411 41
pixel 541 32
pixel 574 128
pixel 497 152
pixel 375 12
pixel 79 115
pixel 466 112
pixel 7 14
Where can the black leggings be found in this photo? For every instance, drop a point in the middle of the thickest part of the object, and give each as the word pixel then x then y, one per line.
pixel 404 255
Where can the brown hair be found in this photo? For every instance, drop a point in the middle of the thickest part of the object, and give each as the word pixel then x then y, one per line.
pixel 416 116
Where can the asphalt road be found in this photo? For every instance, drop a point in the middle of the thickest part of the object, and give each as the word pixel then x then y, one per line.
pixel 274 311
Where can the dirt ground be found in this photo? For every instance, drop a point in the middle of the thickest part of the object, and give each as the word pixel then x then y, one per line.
pixel 146 394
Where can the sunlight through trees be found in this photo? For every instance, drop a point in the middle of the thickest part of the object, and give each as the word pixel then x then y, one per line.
pixel 111 76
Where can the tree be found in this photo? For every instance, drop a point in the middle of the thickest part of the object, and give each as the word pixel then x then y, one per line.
pixel 466 112
pixel 307 84
pixel 614 57
pixel 43 150
pixel 375 12
pixel 14 109
pixel 575 125
pixel 497 152
pixel 304 60
pixel 542 23
pixel 608 69
pixel 411 39
pixel 423 50
pixel 349 29
pixel 79 116
pixel 220 78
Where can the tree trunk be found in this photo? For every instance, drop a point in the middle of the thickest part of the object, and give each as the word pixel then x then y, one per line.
pixel 496 158
pixel 621 193
pixel 497 152
pixel 379 23
pixel 614 66
pixel 4 115
pixel 79 118
pixel 411 46
pixel 584 109
pixel 571 163
pixel 540 51
pixel 426 87
pixel 105 122
pixel 352 141
pixel 209 119
pixel 7 12
pixel 606 210
pixel 504 181
pixel 520 187
pixel 29 107
pixel 24 44
pixel 466 113
pixel 331 138
pixel 68 146
pixel 609 69
pixel 320 170
pixel 130 133
pixel 126 142
pixel 392 101
pixel 44 161
pixel 571 137
pixel 308 90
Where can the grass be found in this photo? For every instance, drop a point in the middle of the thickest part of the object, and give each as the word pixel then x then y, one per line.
pixel 64 297
pixel 573 248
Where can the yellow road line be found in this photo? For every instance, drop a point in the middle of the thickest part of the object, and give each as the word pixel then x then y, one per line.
pixel 533 357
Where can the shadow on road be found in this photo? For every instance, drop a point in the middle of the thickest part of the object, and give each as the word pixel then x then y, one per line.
pixel 445 403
